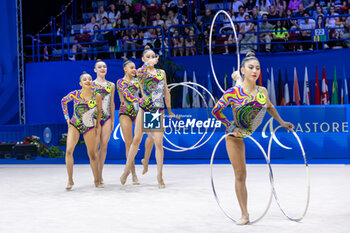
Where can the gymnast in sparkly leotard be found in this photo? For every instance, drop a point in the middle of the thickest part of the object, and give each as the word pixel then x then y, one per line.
pixel 249 103
pixel 106 89
pixel 129 94
pixel 154 91
pixel 86 104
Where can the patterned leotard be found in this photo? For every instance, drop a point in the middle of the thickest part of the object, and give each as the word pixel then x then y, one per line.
pixel 105 92
pixel 248 110
pixel 130 92
pixel 153 89
pixel 84 111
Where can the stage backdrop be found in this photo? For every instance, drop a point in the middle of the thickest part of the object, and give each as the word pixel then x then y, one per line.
pixel 47 83
pixel 323 130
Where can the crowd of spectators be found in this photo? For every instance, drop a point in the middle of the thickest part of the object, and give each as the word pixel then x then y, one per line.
pixel 280 26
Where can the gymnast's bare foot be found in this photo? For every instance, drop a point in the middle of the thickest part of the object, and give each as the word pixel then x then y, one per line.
pixel 244 220
pixel 123 177
pixel 135 180
pixel 161 184
pixel 70 185
pixel 145 166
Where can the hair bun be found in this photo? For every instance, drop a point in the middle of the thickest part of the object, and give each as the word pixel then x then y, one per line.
pixel 84 72
pixel 250 54
pixel 125 60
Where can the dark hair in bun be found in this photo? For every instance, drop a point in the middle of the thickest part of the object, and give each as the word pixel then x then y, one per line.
pixel 99 60
pixel 249 56
pixel 82 74
pixel 126 62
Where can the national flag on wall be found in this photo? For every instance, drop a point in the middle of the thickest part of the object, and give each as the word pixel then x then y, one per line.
pixel 296 93
pixel 286 90
pixel 185 94
pixel 306 95
pixel 210 89
pixel 345 87
pixel 280 96
pixel 195 96
pixel 325 95
pixel 260 79
pixel 272 91
pixel 335 96
pixel 317 90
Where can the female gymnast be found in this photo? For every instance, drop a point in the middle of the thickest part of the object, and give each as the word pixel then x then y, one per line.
pixel 249 103
pixel 129 90
pixel 86 103
pixel 106 90
pixel 154 89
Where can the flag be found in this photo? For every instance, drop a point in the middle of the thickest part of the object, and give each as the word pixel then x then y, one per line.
pixel 296 93
pixel 260 79
pixel 272 92
pixel 204 94
pixel 325 95
pixel 210 89
pixel 345 86
pixel 225 82
pixel 306 95
pixel 185 94
pixel 286 90
pixel 280 96
pixel 335 97
pixel 46 53
pixel 195 96
pixel 317 90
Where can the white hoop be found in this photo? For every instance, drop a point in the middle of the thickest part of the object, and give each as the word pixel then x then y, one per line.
pixel 307 175
pixel 210 39
pixel 213 186
pixel 180 149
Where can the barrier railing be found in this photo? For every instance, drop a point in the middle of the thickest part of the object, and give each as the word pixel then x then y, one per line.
pixel 317 37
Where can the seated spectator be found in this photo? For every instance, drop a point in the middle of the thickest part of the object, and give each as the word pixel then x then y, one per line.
pixel 309 5
pixel 177 43
pixel 250 5
pixel 84 39
pixel 294 5
pixel 317 12
pixel 306 34
pixel 90 26
pixel 288 23
pixel 97 45
pixel 106 25
pixel 266 33
pixel 347 31
pixel 190 44
pixel 171 21
pixel 255 14
pixel 101 14
pixel 263 6
pixel 131 23
pixel 143 22
pixel 280 34
pixel 241 15
pixel 235 6
pixel 131 43
pixel 294 36
pixel 320 24
pixel 344 7
pixel 164 12
pixel 273 14
pixel 300 13
pixel 152 10
pixel 113 14
pixel 232 41
pixel 247 30
pixel 158 21
pixel 207 18
pixel 281 7
pixel 126 16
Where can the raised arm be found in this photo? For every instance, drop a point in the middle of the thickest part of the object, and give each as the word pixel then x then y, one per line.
pixel 65 100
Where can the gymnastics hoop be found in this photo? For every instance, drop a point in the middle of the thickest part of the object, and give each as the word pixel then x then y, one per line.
pixel 307 175
pixel 210 40
pixel 213 186
pixel 181 149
